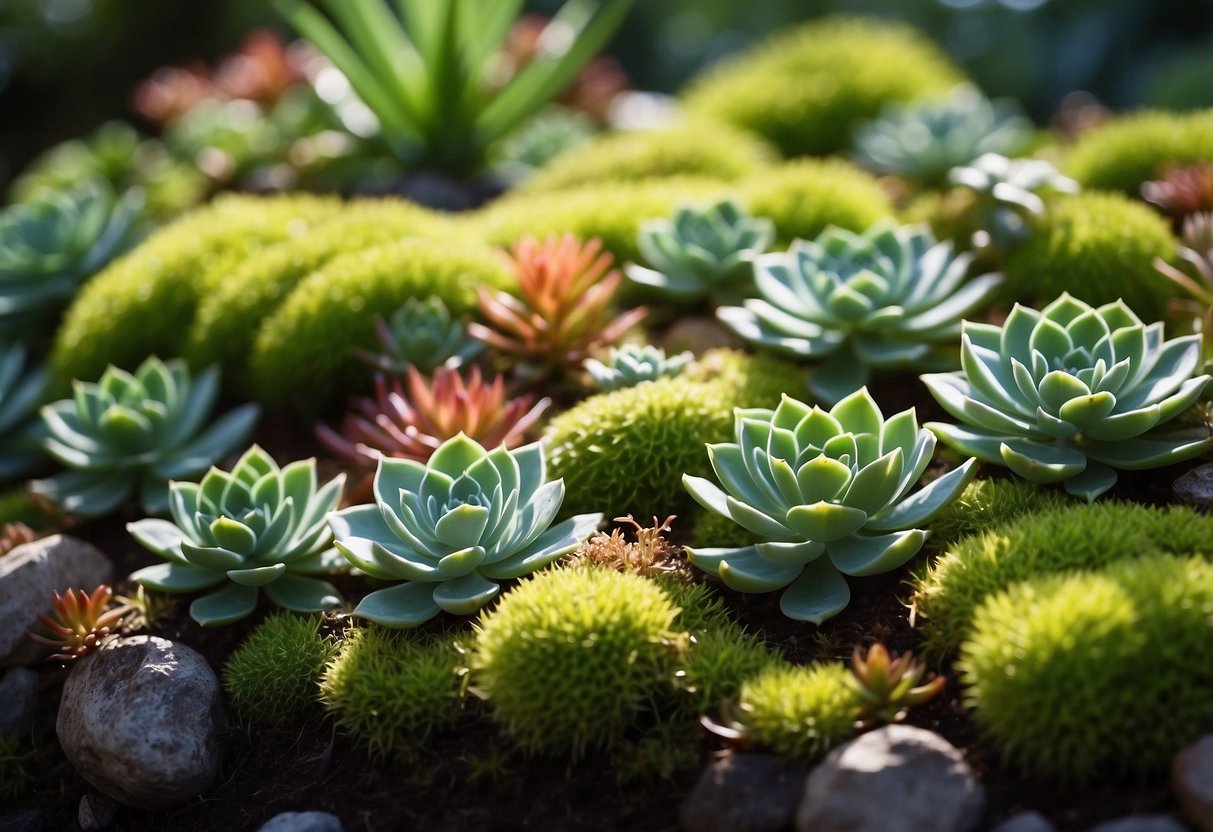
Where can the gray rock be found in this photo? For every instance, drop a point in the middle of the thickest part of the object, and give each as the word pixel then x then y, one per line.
pixel 29 820
pixel 744 793
pixel 1142 823
pixel 96 812
pixel 894 779
pixel 1192 783
pixel 141 719
pixel 303 822
pixel 1196 486
pixel 19 695
pixel 1025 822
pixel 28 576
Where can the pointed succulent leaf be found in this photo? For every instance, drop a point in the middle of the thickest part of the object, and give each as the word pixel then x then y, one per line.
pixel 227 606
pixel 818 594
pixel 303 595
pixel 401 606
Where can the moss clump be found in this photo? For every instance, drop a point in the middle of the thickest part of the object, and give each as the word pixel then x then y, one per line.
pixel 717 664
pixel 233 304
pixel 1127 151
pixel 799 711
pixel 700 608
pixel 1064 539
pixel 626 451
pixel 665 750
pixel 305 347
pixel 1098 247
pixel 142 304
pixel 1094 676
pixel 985 504
pixel 806 90
pixel 570 659
pixel 804 196
pixel 272 676
pixel 637 155
pixel 391 690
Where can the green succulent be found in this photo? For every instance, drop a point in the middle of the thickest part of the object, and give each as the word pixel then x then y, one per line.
pixel 421 334
pixel 52 243
pixel 631 364
pixel 21 393
pixel 827 492
pixel 924 140
pixel 552 132
pixel 136 432
pixel 702 250
pixel 882 299
pixel 257 526
pixel 1070 393
pixel 453 527
pixel 1009 192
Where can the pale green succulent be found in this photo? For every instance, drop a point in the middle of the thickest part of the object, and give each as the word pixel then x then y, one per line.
pixel 1070 393
pixel 552 131
pixel 702 251
pixel 631 364
pixel 1009 193
pixel 22 392
pixel 257 527
pixel 133 433
pixel 422 334
pixel 828 493
pixel 453 527
pixel 926 139
pixel 888 298
pixel 50 244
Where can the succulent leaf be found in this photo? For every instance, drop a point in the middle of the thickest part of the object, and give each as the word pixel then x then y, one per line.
pixel 630 364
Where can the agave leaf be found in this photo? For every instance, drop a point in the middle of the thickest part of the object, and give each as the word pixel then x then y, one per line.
pixel 819 593
pixel 862 555
pixel 227 606
pixel 358 552
pixel 745 570
pixel 974 442
pixel 707 494
pixel 176 577
pixel 233 536
pixel 560 539
pixel 730 467
pixel 258 576
pixel 1174 364
pixel 1153 451
pixel 305 595
pixel 404 563
pixel 1042 462
pixel 462 526
pixel 924 504
pixel 1094 480
pixel 1087 411
pixel 1125 425
pixel 876 484
pixel 227 433
pixel 796 553
pixel 399 607
pixel 826 522
pixel 86 493
pixel 465 595
pixel 822 479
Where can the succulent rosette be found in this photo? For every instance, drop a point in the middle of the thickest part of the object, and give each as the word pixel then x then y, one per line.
pixel 22 391
pixel 453 527
pixel 421 334
pixel 888 298
pixel 256 527
pixel 631 364
pixel 1071 393
pixel 829 493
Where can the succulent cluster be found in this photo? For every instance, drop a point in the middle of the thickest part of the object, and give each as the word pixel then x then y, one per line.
pixel 1071 393
pixel 421 334
pixel 829 495
pixel 22 391
pixel 887 298
pixel 79 623
pixel 1009 193
pixel 631 364
pixel 1196 254
pixel 135 432
pixel 256 527
pixel 888 686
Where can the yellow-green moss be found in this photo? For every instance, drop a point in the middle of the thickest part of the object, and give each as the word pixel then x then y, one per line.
pixel 1120 155
pixel 807 89
pixel 799 711
pixel 804 196
pixel 985 504
pixel 273 675
pixel 716 665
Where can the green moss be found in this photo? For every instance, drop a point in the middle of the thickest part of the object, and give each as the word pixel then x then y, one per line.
pixel 804 196
pixel 17 505
pixel 234 303
pixel 1127 151
pixel 799 711
pixel 570 659
pixel 1098 247
pixel 390 690
pixel 806 90
pixel 626 451
pixel 700 608
pixel 718 663
pixel 142 304
pixel 1066 539
pixel 664 751
pixel 304 350
pixel 988 503
pixel 707 149
pixel 1093 676
pixel 272 676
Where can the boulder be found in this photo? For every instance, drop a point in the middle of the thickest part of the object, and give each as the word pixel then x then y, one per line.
pixel 303 822
pixel 1192 782
pixel 744 793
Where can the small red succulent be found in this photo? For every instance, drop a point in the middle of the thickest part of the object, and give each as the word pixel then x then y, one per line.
pixel 13 535
pixel 888 686
pixel 79 622
pixel 1182 190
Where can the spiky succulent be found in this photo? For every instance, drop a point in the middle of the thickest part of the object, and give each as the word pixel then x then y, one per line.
pixel 421 334
pixel 1009 193
pixel 22 391
pixel 702 250
pixel 1182 191
pixel 631 364
pixel 51 243
pixel 888 686
pixel 79 622
pixel 829 494
pixel 1195 252
pixel 451 528
pixel 888 298
pixel 924 140
pixel 128 433
pixel 1071 393
pixel 256 527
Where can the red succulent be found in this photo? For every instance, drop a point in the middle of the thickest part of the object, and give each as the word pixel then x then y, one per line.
pixel 1182 190
pixel 13 535
pixel 889 687
pixel 79 622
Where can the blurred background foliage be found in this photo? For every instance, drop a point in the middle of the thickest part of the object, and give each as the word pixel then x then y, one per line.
pixel 66 66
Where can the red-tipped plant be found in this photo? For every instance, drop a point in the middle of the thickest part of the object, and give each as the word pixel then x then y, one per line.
pixel 1182 190
pixel 563 312
pixel 79 622
pixel 13 535
pixel 1196 253
pixel 887 686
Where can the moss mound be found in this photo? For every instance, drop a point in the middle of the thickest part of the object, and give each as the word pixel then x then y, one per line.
pixel 802 197
pixel 718 663
pixel 1097 675
pixel 1127 151
pixel 303 351
pixel 799 711
pixel 272 677
pixel 1098 247
pixel 807 89
pixel 985 504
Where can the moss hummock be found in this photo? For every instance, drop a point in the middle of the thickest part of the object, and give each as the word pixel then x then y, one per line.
pixel 1132 149
pixel 272 677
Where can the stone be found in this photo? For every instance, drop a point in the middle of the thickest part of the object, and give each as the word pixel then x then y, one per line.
pixel 1196 486
pixel 744 793
pixel 96 812
pixel 1025 822
pixel 1142 823
pixel 1192 783
pixel 28 576
pixel 19 695
pixel 895 779
pixel 141 720
pixel 29 820
pixel 303 822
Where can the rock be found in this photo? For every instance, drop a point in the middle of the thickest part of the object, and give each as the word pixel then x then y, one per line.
pixel 141 719
pixel 894 779
pixel 28 576
pixel 96 812
pixel 19 693
pixel 1192 782
pixel 744 793
pixel 1196 486
pixel 29 820
pixel 1025 822
pixel 1142 823
pixel 303 822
